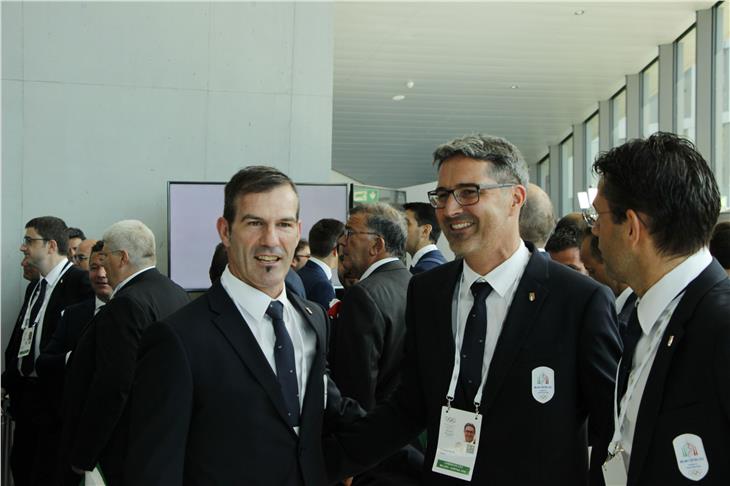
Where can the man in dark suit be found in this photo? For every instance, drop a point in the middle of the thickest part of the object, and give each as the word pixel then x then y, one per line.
pixel 316 274
pixel 656 206
pixel 232 389
pixel 37 421
pixel 536 342
pixel 51 363
pixel 101 368
pixel 423 233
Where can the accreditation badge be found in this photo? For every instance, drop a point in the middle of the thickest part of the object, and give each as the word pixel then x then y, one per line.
pixel 458 443
pixel 26 341
pixel 691 458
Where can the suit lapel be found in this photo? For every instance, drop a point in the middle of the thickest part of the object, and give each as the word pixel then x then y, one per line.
pixel 443 301
pixel 236 331
pixel 316 371
pixel 522 315
pixel 651 399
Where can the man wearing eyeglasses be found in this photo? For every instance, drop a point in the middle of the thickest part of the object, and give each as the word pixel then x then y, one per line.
pixel 654 213
pixel 83 252
pixel 521 346
pixel 34 455
pixel 101 369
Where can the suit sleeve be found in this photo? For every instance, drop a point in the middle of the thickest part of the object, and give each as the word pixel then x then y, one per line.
pixel 322 293
pixel 52 361
pixel 160 410
pixel 599 351
pixel 358 347
pixel 360 444
pixel 722 366
pixel 118 333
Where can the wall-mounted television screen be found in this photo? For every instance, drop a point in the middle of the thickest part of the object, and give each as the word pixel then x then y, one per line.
pixel 194 207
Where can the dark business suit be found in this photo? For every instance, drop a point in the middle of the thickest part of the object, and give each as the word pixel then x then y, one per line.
pixel 318 287
pixel 557 318
pixel 430 260
pixel 294 284
pixel 207 407
pixel 367 346
pixel 36 414
pixel 688 389
pixel 101 370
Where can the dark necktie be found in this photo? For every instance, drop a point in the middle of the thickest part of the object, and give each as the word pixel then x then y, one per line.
pixel 29 361
pixel 625 314
pixel 630 338
pixel 472 346
pixel 286 370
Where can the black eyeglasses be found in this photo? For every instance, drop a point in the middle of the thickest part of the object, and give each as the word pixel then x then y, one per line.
pixel 349 232
pixel 465 195
pixel 27 240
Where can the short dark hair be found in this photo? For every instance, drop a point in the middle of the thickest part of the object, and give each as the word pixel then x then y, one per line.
pixel 564 238
pixel 301 244
pixel 253 180
pixel 593 239
pixel 387 222
pixel 424 213
pixel 98 246
pixel 51 228
pixel 218 263
pixel 667 180
pixel 72 232
pixel 323 236
pixel 470 425
pixel 720 244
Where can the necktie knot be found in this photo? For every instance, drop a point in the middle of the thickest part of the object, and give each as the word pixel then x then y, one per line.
pixel 275 310
pixel 481 290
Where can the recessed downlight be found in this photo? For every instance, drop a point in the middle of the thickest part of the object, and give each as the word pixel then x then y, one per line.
pixel 410 84
pixel 399 97
pixel 514 86
pixel 580 11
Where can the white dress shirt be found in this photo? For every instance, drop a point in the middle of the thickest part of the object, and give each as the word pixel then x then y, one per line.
pixel 504 280
pixel 426 249
pixel 252 304
pixel 377 265
pixel 53 277
pixel 325 268
pixel 126 281
pixel 655 310
pixel 622 298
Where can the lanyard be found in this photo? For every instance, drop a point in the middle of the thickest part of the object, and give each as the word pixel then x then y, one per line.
pixel 37 294
pixel 656 337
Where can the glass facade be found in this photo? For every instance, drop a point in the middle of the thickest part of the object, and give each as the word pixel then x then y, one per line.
pixel 686 85
pixel 722 102
pixel 618 118
pixel 543 174
pixel 566 179
pixel 591 149
pixel 650 99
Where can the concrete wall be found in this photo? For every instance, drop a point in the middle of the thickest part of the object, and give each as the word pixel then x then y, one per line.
pixel 103 103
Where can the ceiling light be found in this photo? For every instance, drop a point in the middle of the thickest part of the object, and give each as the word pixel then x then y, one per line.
pixel 410 84
pixel 514 86
pixel 580 11
pixel 399 97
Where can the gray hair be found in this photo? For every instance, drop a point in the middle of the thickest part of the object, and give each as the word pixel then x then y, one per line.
pixel 537 218
pixel 508 165
pixel 135 238
pixel 388 222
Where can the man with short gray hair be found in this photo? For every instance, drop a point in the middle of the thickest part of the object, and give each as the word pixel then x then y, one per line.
pixel 537 218
pixel 101 369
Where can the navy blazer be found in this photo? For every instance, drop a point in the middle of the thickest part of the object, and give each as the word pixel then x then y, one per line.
pixel 688 390
pixel 430 260
pixel 558 318
pixel 318 287
pixel 207 407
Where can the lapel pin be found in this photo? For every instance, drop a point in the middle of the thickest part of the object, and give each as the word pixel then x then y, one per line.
pixel 671 340
pixel 531 296
pixel 308 310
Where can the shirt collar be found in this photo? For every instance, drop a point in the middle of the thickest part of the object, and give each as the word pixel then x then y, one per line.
pixel 126 280
pixel 56 273
pixel 325 268
pixel 98 304
pixel 417 256
pixel 622 298
pixel 252 299
pixel 503 275
pixel 375 266
pixel 658 297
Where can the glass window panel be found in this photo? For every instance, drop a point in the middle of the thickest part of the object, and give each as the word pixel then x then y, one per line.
pixel 591 149
pixel 686 79
pixel 618 119
pixel 566 176
pixel 722 103
pixel 650 100
pixel 544 175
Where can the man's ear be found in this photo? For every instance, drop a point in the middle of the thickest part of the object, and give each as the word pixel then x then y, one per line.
pixel 378 246
pixel 223 231
pixel 52 246
pixel 426 231
pixel 124 257
pixel 635 229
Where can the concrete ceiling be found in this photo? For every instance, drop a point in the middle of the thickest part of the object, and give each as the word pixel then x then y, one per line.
pixel 464 58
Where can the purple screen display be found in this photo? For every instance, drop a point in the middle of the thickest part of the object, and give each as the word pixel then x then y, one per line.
pixel 194 209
